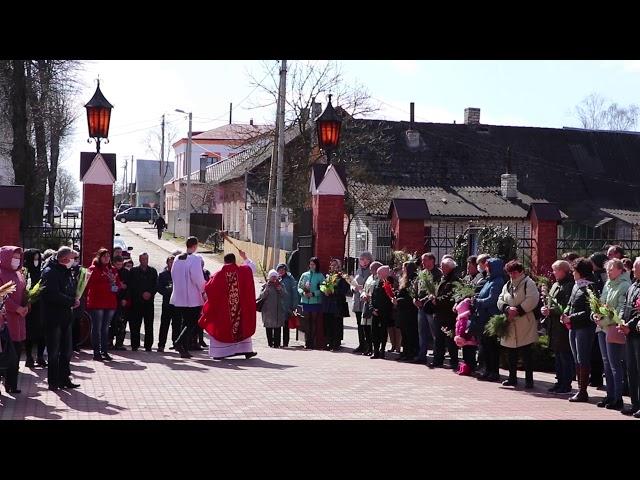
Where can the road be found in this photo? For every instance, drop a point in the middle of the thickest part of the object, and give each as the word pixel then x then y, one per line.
pixel 290 383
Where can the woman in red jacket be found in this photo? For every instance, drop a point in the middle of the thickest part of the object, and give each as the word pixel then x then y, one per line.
pixel 102 301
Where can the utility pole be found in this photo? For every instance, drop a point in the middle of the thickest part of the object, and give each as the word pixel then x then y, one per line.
pixel 280 126
pixel 272 176
pixel 162 171
pixel 230 112
pixel 188 191
pixel 124 182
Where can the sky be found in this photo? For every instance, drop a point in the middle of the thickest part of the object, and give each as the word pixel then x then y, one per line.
pixel 508 92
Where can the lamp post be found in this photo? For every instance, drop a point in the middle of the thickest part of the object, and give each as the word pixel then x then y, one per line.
pixel 328 126
pixel 188 170
pixel 98 117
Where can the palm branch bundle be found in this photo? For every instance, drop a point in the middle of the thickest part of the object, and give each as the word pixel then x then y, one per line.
pixel 34 292
pixel 83 280
pixel 329 284
pixel 555 306
pixel 497 326
pixel 7 288
pixel 426 282
pixel 462 290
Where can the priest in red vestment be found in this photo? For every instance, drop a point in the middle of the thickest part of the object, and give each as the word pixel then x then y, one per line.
pixel 229 314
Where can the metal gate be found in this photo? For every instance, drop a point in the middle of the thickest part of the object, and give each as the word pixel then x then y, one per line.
pixel 46 237
pixel 384 239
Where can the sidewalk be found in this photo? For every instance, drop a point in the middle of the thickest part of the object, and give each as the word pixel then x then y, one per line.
pixel 212 262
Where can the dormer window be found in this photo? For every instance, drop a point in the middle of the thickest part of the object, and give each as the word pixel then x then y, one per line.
pixel 413 138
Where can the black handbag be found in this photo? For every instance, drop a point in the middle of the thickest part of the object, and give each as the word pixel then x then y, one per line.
pixel 259 304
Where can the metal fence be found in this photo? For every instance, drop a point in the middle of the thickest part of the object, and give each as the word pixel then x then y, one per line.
pixel 44 237
pixel 587 246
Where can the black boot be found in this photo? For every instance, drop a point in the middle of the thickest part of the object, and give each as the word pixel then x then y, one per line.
pixel 29 363
pixel 583 381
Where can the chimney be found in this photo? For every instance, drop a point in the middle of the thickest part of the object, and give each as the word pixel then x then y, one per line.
pixel 316 110
pixel 509 185
pixel 411 115
pixel 251 122
pixel 471 116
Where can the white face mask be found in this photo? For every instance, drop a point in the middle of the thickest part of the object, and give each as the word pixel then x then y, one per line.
pixel 15 263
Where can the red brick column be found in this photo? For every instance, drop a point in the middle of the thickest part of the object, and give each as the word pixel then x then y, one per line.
pixel 408 234
pixel 328 228
pixel 10 230
pixel 97 220
pixel 545 243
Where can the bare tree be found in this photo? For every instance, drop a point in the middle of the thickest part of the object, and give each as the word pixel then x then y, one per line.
pixel 306 83
pixel 596 113
pixel 66 190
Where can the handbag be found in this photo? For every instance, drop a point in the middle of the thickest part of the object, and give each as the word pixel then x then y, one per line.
pixel 293 322
pixel 614 336
pixel 259 304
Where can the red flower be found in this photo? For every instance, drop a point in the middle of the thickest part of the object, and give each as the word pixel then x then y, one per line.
pixel 388 289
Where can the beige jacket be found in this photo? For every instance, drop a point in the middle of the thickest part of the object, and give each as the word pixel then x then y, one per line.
pixel 523 329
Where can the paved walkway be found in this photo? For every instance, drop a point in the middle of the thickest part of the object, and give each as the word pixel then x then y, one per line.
pixel 287 383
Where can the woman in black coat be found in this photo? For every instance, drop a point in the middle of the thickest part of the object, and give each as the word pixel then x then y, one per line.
pixel 35 318
pixel 407 312
pixel 382 311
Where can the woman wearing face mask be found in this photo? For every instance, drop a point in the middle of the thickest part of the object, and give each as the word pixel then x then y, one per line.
pixel 34 319
pixel 274 311
pixel 311 301
pixel 15 308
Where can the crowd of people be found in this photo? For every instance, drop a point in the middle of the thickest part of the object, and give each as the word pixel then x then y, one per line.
pixel 115 293
pixel 590 313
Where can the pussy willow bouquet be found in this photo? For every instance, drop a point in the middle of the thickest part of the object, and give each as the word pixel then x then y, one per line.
pixel 83 280
pixel 462 290
pixel 497 326
pixel 330 283
pixel 447 332
pixel 426 282
pixel 350 280
pixel 34 292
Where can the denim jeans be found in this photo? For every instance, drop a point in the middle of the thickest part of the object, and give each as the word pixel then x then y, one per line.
pixel 581 341
pixel 424 333
pixel 100 321
pixel 565 368
pixel 612 358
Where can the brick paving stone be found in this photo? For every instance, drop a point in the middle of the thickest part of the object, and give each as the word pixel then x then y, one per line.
pixel 290 383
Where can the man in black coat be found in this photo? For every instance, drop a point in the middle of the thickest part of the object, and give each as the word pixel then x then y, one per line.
pixel 444 317
pixel 59 298
pixel 160 224
pixel 143 285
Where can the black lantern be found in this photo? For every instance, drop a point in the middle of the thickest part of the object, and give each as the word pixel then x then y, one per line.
pixel 328 126
pixel 98 117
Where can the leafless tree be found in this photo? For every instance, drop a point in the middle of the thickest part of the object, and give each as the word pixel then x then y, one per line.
pixel 308 82
pixel 596 113
pixel 66 190
pixel 153 143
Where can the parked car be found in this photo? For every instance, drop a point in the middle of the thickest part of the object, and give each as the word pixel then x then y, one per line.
pixel 121 208
pixel 138 214
pixel 72 211
pixel 119 242
pixel 56 211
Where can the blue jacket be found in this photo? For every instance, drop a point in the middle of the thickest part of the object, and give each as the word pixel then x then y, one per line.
pixel 292 300
pixel 486 302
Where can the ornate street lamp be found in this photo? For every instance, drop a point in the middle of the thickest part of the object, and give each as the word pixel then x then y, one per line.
pixel 328 126
pixel 98 117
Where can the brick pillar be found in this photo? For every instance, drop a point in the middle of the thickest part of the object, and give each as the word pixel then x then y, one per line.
pixel 97 220
pixel 544 235
pixel 408 234
pixel 328 227
pixel 10 222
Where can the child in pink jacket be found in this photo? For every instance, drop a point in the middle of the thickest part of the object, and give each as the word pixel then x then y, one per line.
pixel 468 342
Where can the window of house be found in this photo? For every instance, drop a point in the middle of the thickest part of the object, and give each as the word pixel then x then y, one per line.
pixel 361 241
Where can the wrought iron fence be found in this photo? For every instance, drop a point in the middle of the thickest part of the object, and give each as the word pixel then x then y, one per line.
pixel 586 246
pixel 44 237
